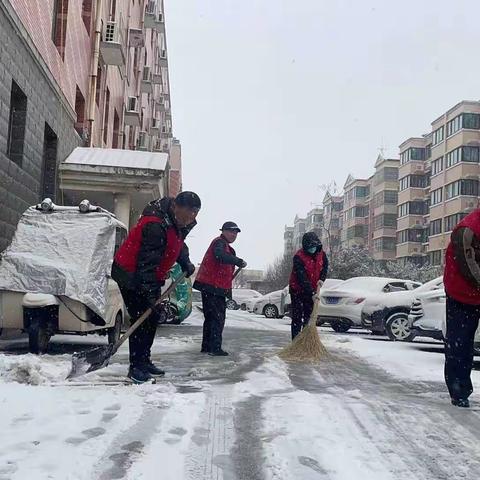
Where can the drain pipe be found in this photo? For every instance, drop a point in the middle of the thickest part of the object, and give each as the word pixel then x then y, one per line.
pixel 94 68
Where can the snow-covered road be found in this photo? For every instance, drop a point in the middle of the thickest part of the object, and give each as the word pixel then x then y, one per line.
pixel 374 410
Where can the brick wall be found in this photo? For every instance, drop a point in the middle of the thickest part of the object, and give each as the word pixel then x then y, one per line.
pixel 20 186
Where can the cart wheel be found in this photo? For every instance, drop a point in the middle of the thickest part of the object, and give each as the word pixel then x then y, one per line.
pixel 115 332
pixel 38 336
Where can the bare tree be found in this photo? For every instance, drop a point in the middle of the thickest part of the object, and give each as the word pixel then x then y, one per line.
pixel 278 273
pixel 331 189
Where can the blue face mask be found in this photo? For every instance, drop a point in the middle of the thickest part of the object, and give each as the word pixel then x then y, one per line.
pixel 312 250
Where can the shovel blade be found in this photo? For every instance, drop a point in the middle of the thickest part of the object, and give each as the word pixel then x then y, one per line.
pixel 90 360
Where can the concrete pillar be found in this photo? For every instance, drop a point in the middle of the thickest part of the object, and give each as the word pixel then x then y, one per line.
pixel 121 203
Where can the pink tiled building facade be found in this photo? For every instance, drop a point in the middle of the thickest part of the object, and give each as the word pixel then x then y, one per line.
pixel 78 73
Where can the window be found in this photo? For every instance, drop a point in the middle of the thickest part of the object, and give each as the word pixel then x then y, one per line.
pixel 16 124
pixel 435 257
pixel 462 187
pixel 48 188
pixel 428 151
pixel 80 111
pixel 414 235
pixel 334 223
pixel 437 166
pixel 438 136
pixel 418 207
pixel 390 174
pixel 106 117
pixel 413 181
pixel 453 126
pixel 453 157
pixel 385 220
pixel 403 210
pixel 87 14
pixel 452 220
pixel 384 244
pixel 391 197
pixel 116 129
pixel 413 153
pixel 357 231
pixel 360 192
pixel 98 87
pixel 470 154
pixel 59 28
pixel 435 227
pixel 436 197
pixel 360 212
pixel 471 120
pixel 338 207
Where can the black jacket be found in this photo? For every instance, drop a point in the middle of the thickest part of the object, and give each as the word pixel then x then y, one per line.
pixel 152 249
pixel 299 270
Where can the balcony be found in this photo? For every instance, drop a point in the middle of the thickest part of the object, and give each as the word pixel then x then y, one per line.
pixel 136 38
pixel 111 47
pixel 146 85
pixel 150 18
pixel 157 79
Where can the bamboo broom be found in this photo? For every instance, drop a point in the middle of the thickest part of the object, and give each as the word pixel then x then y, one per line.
pixel 306 346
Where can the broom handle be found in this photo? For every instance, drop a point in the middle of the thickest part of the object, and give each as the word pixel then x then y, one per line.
pixel 316 307
pixel 147 313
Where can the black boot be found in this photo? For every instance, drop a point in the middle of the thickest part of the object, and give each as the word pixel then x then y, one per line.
pixel 461 402
pixel 139 374
pixel 152 369
pixel 219 353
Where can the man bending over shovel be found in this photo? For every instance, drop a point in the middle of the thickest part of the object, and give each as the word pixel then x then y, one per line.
pixel 141 267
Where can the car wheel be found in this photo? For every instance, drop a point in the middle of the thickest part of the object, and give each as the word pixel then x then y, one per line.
pixel 340 327
pixel 38 336
pixel 232 305
pixel 115 332
pixel 397 328
pixel 270 311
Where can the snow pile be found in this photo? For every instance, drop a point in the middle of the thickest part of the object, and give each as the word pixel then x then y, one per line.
pixel 33 369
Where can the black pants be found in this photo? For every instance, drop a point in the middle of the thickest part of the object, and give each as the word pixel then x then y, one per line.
pixel 302 306
pixel 214 311
pixel 141 341
pixel 462 322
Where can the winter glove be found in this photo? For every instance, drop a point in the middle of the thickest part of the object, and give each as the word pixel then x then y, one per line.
pixel 241 263
pixel 189 270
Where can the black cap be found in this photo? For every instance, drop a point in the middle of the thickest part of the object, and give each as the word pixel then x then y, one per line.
pixel 230 226
pixel 189 200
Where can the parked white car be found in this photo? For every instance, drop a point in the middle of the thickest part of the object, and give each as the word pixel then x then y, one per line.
pixel 428 317
pixel 388 312
pixel 342 305
pixel 272 305
pixel 240 298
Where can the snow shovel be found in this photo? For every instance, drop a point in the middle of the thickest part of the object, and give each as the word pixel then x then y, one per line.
pixel 99 357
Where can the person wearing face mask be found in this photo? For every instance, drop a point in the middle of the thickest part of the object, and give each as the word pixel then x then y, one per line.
pixel 214 280
pixel 141 267
pixel 310 269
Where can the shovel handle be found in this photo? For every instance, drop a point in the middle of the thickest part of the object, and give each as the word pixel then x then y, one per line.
pixel 147 313
pixel 235 275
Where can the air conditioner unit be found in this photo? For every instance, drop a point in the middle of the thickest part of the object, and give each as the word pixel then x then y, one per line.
pixel 132 105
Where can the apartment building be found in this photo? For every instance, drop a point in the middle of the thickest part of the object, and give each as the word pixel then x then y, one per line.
pixel 356 213
pixel 455 171
pixel 414 199
pixel 288 241
pixel 314 222
pixel 383 209
pixel 333 222
pixel 439 183
pixel 299 228
pixel 63 85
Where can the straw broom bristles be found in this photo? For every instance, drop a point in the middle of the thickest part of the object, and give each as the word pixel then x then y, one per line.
pixel 306 346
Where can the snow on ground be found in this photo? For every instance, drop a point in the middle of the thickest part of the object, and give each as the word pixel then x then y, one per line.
pixel 376 409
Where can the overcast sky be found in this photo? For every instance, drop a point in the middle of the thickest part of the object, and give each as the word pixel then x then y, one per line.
pixel 273 98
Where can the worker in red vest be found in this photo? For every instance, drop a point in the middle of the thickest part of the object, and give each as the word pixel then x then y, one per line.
pixel 462 285
pixel 214 280
pixel 141 268
pixel 310 266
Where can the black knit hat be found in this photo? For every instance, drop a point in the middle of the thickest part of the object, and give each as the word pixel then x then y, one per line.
pixel 189 200
pixel 310 240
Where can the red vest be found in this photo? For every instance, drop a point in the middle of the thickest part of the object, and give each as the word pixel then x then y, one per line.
pixel 214 273
pixel 456 285
pixel 313 267
pixel 127 254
